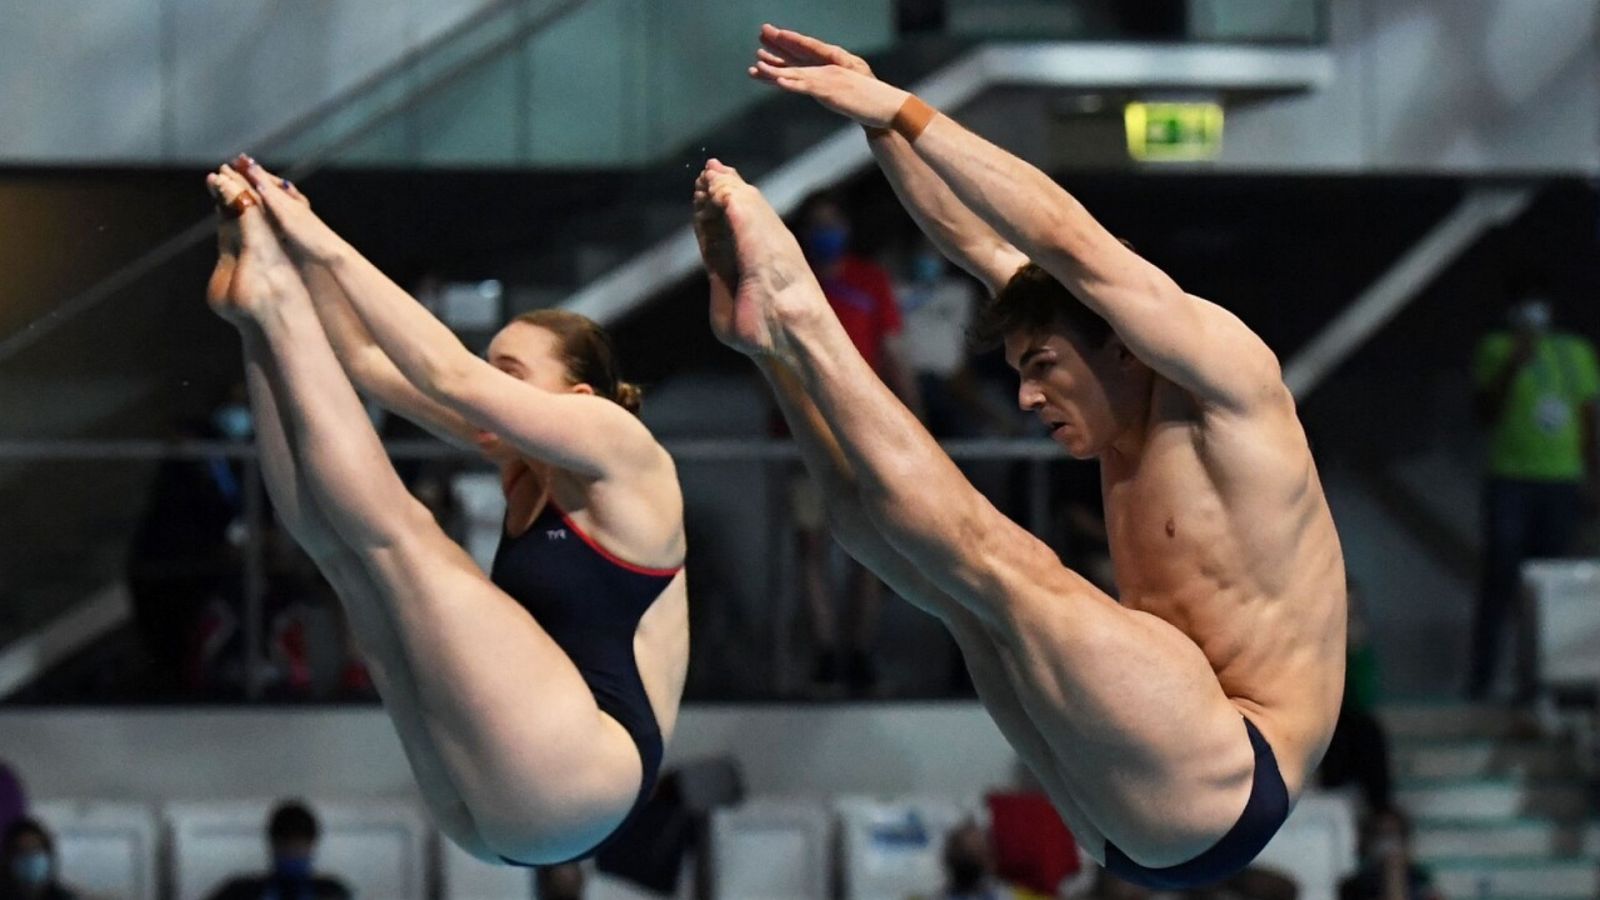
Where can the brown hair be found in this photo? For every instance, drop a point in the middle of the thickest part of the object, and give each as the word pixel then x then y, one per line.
pixel 1033 301
pixel 589 355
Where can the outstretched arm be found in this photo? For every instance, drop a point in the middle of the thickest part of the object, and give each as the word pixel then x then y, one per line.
pixel 1192 342
pixel 960 235
pixel 371 370
pixel 579 432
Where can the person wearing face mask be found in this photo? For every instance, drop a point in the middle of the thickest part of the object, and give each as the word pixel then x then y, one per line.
pixel 862 295
pixel 1388 870
pixel 182 569
pixel 969 869
pixel 28 864
pixel 292 833
pixel 1536 393
pixel 937 307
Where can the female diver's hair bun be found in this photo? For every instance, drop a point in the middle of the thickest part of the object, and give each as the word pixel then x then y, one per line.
pixel 589 355
pixel 630 395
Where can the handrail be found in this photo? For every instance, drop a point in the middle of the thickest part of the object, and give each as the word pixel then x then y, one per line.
pixel 683 450
pixel 311 161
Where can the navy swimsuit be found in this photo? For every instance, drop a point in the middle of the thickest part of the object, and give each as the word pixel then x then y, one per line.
pixel 590 602
pixel 1264 813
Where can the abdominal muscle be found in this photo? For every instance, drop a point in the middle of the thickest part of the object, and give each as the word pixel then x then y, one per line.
pixel 1240 554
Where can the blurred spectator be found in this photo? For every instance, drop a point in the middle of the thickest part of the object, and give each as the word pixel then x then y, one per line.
pixel 860 293
pixel 1358 753
pixel 563 882
pixel 936 306
pixel 182 564
pixel 1030 845
pixel 969 870
pixel 1387 870
pixel 1536 395
pixel 28 864
pixel 292 834
pixel 13 800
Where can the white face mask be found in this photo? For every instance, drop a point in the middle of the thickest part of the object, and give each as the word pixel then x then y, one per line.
pixel 1533 314
pixel 31 869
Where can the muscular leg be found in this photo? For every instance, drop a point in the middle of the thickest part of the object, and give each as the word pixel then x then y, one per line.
pixel 292 500
pixel 855 532
pixel 1146 741
pixel 379 643
pixel 544 774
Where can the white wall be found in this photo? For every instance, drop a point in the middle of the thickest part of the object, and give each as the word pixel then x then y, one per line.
pixel 97 81
pixel 1466 86
pixel 157 756
pixel 189 81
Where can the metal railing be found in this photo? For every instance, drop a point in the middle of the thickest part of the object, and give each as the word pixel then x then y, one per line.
pixel 1035 454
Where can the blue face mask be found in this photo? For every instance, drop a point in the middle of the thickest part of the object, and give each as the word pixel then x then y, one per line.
pixel 926 267
pixel 234 421
pixel 292 868
pixel 31 869
pixel 825 244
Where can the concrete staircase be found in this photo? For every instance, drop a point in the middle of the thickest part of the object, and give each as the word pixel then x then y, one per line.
pixel 1502 810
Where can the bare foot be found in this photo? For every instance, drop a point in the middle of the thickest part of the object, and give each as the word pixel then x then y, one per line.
pixel 301 231
pixel 760 282
pixel 251 266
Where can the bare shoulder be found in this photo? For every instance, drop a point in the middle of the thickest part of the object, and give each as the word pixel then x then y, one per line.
pixel 1246 372
pixel 640 509
pixel 1262 440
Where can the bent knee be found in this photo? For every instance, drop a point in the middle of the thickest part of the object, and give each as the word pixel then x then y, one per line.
pixel 545 820
pixel 536 838
pixel 457 824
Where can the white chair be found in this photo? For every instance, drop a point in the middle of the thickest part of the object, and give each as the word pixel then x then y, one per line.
pixel 104 849
pixel 1317 846
pixel 1565 600
pixel 893 849
pixel 770 849
pixel 377 848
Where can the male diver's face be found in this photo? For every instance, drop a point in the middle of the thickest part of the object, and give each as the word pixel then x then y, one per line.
pixel 532 355
pixel 1078 392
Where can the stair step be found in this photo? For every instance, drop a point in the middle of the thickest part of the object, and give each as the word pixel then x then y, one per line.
pixel 1553 879
pixel 1480 799
pixel 1456 721
pixel 1510 839
pixel 1482 758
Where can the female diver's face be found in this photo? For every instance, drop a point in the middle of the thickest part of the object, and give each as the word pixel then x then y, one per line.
pixel 532 355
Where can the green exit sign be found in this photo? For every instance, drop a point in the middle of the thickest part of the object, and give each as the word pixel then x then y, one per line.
pixel 1173 132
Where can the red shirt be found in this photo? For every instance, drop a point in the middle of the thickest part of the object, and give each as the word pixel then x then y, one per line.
pixel 862 297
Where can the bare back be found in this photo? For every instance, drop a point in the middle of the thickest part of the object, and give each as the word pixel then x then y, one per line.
pixel 1219 526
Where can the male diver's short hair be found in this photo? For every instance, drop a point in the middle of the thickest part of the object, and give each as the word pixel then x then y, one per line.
pixel 1034 301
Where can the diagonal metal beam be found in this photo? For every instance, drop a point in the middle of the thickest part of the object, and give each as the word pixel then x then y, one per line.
pixel 1482 209
pixel 313 160
pixel 1053 64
